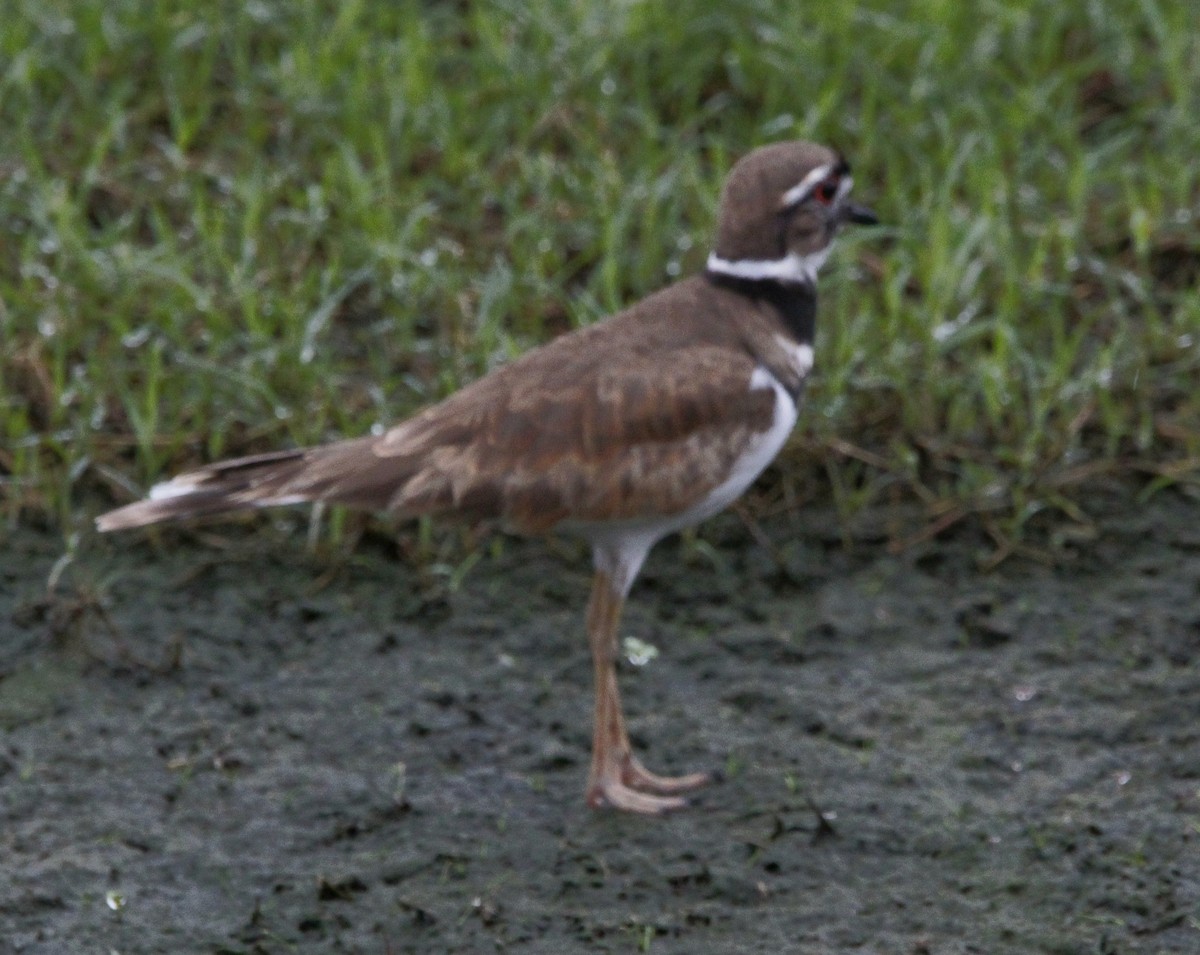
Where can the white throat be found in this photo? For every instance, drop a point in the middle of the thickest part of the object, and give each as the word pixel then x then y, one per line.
pixel 791 268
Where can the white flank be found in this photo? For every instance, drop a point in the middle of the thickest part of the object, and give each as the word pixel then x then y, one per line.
pixel 758 455
pixel 800 191
pixel 761 379
pixel 791 268
pixel 176 487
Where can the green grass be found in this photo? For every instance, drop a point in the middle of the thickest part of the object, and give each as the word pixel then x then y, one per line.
pixel 234 227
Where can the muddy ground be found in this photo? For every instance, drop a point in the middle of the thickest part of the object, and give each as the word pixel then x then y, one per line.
pixel 267 756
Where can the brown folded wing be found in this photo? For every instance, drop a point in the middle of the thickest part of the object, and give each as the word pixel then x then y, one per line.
pixel 570 436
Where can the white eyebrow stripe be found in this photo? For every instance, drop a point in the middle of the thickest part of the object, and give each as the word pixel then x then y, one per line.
pixel 844 188
pixel 806 185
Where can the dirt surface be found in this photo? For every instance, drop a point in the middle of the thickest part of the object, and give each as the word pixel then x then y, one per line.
pixel 256 758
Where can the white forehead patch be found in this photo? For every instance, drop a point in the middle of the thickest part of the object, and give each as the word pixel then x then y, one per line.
pixel 844 188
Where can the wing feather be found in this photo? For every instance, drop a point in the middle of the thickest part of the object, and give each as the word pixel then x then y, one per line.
pixel 581 439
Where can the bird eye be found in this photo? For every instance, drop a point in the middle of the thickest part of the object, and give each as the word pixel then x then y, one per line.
pixel 826 192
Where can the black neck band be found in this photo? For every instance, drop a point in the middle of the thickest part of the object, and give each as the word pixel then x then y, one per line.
pixel 795 302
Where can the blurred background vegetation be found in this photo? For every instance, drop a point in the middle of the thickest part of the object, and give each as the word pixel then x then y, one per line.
pixel 231 227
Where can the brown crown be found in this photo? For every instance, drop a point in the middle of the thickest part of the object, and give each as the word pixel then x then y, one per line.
pixel 750 225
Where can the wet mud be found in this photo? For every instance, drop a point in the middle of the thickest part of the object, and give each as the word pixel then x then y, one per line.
pixel 212 742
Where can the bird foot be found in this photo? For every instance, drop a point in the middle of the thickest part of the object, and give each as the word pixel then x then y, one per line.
pixel 627 785
pixel 638 777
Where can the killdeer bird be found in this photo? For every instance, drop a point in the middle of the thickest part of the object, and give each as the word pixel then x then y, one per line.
pixel 621 433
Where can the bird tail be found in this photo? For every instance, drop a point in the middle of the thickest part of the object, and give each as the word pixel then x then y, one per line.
pixel 262 480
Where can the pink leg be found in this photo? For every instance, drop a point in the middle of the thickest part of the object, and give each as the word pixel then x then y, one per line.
pixel 617 777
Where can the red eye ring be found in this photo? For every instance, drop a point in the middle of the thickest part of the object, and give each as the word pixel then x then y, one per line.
pixel 826 192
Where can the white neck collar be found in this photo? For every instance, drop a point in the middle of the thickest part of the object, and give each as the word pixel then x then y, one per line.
pixel 791 268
